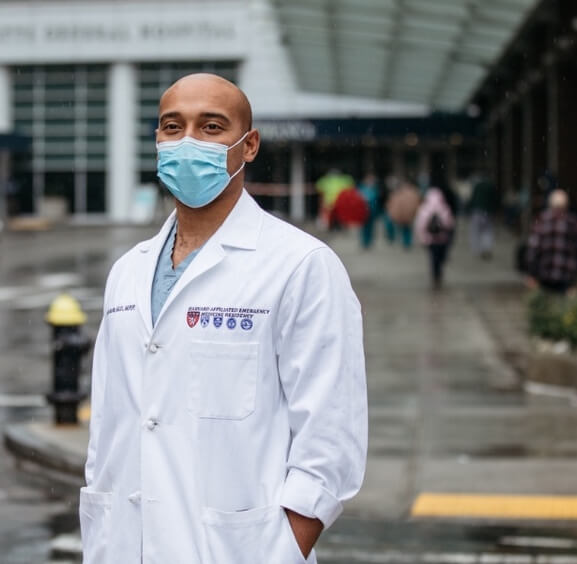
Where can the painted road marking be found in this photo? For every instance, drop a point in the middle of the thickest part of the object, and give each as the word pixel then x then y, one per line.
pixel 20 400
pixel 350 556
pixel 538 542
pixel 495 506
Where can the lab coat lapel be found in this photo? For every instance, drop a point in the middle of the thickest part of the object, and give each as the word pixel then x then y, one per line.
pixel 149 252
pixel 240 230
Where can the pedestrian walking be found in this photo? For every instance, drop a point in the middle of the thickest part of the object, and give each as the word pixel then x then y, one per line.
pixel 434 225
pixel 369 189
pixel 390 185
pixel 482 207
pixel 229 418
pixel 552 247
pixel 401 208
pixel 329 187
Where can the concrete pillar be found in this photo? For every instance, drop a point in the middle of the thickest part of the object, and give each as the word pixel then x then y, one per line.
pixel 297 183
pixel 566 129
pixel 534 141
pixel 452 165
pixel 553 119
pixel 122 163
pixel 516 149
pixel 6 126
pixel 80 189
pixel 398 162
pixel 507 179
pixel 6 121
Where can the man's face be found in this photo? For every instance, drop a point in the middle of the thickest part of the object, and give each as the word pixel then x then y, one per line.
pixel 208 110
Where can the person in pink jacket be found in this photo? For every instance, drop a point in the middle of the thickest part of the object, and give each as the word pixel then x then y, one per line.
pixel 434 227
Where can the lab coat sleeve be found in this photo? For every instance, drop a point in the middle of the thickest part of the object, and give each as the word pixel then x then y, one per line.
pixel 98 383
pixel 321 366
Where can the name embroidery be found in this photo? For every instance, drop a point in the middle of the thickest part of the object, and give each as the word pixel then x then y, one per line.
pixel 121 309
pixel 232 317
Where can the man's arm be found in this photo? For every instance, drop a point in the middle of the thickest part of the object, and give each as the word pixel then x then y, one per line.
pixel 321 367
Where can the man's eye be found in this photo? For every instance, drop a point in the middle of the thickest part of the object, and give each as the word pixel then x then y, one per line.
pixel 170 126
pixel 213 126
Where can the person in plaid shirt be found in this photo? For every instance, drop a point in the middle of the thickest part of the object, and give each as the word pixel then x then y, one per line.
pixel 552 248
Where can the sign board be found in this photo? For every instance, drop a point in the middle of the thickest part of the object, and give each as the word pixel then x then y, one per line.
pixel 65 32
pixel 286 130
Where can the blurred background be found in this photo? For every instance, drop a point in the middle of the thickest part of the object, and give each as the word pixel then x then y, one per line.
pixel 364 108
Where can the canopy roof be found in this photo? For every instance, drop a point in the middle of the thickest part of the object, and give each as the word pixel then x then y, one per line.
pixel 433 52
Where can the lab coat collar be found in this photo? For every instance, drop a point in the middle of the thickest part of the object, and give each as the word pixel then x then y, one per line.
pixel 240 230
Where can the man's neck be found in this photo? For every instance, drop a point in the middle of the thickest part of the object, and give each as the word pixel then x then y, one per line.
pixel 197 225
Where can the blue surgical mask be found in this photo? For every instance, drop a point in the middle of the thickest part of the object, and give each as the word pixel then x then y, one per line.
pixel 194 171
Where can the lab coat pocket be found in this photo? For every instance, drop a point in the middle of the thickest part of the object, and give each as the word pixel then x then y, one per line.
pixel 255 536
pixel 94 513
pixel 223 380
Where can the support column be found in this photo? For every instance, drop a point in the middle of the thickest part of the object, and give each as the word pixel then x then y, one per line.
pixel 566 126
pixel 398 162
pixel 297 183
pixel 6 122
pixel 122 163
pixel 535 147
pixel 6 126
pixel 506 180
pixel 553 119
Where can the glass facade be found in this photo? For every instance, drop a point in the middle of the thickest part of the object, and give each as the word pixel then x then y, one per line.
pixel 63 109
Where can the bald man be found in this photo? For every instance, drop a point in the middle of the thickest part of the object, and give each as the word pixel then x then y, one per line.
pixel 552 247
pixel 229 418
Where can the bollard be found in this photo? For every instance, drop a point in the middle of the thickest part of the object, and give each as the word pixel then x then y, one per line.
pixel 66 318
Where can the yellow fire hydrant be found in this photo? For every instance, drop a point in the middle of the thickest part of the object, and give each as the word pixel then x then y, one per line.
pixel 66 318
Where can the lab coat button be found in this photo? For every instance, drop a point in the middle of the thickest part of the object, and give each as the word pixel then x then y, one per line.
pixel 153 347
pixel 134 497
pixel 151 424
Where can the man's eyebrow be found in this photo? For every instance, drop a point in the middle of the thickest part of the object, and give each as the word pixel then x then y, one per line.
pixel 215 115
pixel 169 115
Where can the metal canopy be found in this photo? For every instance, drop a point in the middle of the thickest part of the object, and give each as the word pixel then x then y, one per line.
pixel 432 52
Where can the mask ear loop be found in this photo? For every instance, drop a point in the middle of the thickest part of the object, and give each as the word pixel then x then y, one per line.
pixel 239 141
pixel 231 147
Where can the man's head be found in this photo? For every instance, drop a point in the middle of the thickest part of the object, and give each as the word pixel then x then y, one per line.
pixel 558 200
pixel 209 108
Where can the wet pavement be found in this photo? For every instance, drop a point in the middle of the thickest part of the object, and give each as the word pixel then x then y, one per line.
pixel 448 408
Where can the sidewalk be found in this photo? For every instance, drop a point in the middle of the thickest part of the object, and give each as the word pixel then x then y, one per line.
pixel 447 408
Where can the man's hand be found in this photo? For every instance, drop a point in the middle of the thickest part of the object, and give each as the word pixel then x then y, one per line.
pixel 306 531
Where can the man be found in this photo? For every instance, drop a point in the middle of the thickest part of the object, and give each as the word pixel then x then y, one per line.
pixel 228 388
pixel 552 247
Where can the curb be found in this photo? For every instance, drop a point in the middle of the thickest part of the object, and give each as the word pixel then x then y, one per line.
pixel 38 454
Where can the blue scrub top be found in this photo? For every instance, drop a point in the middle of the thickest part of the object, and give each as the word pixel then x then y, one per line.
pixel 165 276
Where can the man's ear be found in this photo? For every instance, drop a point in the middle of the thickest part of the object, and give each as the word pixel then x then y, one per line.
pixel 251 145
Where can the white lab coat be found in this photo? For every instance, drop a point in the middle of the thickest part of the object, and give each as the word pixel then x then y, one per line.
pixel 247 396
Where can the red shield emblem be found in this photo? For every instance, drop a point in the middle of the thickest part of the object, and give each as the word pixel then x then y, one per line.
pixel 192 317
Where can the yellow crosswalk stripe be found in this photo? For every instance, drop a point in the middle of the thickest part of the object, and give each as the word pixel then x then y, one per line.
pixel 557 507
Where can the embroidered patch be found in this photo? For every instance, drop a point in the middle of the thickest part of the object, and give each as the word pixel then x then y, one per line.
pixel 231 323
pixel 192 317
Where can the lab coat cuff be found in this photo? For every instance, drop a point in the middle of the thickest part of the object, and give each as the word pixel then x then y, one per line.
pixel 304 495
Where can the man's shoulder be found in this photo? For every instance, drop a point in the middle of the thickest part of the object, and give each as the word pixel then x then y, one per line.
pixel 278 234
